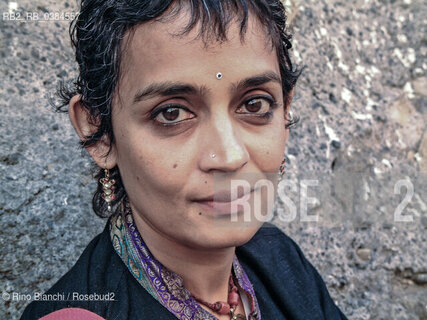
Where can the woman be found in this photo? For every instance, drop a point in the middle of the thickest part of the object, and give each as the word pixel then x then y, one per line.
pixel 179 102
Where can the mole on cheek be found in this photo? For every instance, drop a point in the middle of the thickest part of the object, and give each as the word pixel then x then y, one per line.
pixel 175 165
pixel 200 213
pixel 206 182
pixel 137 178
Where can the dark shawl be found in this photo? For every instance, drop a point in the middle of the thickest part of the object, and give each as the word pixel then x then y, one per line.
pixel 287 286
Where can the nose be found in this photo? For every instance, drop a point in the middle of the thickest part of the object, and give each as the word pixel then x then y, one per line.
pixel 223 149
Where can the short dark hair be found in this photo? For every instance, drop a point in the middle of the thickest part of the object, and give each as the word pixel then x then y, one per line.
pixel 97 34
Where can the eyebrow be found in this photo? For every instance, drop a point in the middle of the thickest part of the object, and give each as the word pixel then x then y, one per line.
pixel 257 80
pixel 165 89
pixel 169 88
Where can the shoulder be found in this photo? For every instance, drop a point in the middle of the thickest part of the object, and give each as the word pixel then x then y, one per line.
pixel 272 252
pixel 280 272
pixel 98 271
pixel 271 242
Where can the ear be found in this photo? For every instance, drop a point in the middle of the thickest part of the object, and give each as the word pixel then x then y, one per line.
pixel 81 120
pixel 287 109
pixel 288 103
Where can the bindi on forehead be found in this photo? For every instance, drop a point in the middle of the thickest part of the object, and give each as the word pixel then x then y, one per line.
pixel 153 55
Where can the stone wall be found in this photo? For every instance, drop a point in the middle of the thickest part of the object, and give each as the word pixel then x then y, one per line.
pixel 362 104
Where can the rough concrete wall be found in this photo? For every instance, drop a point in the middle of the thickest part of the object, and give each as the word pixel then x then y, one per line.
pixel 362 137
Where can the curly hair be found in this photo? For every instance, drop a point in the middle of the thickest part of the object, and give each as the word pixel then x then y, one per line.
pixel 97 34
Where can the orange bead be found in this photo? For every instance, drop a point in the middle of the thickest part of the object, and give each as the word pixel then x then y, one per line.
pixel 225 308
pixel 233 298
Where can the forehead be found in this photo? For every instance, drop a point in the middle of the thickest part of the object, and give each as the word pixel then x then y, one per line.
pixel 158 50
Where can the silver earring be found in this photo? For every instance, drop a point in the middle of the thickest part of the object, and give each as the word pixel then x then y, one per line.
pixel 219 75
pixel 108 187
pixel 213 155
pixel 282 168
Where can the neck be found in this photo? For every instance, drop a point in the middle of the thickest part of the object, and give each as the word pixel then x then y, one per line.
pixel 205 272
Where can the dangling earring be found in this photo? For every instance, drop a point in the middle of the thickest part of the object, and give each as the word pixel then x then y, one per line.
pixel 108 188
pixel 282 168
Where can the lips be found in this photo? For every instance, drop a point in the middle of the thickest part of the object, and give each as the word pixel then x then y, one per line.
pixel 224 202
pixel 224 196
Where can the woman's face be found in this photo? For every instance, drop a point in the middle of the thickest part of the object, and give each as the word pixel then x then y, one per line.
pixel 182 134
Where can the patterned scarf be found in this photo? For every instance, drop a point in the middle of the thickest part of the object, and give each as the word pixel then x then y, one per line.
pixel 164 285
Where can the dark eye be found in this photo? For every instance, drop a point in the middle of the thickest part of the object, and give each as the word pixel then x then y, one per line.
pixel 172 115
pixel 256 105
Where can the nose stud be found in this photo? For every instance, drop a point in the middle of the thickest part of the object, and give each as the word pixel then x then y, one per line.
pixel 213 155
pixel 219 75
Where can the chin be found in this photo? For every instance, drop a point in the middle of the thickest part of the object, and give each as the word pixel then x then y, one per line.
pixel 226 236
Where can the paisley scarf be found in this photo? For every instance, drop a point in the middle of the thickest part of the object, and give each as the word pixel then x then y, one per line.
pixel 164 285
